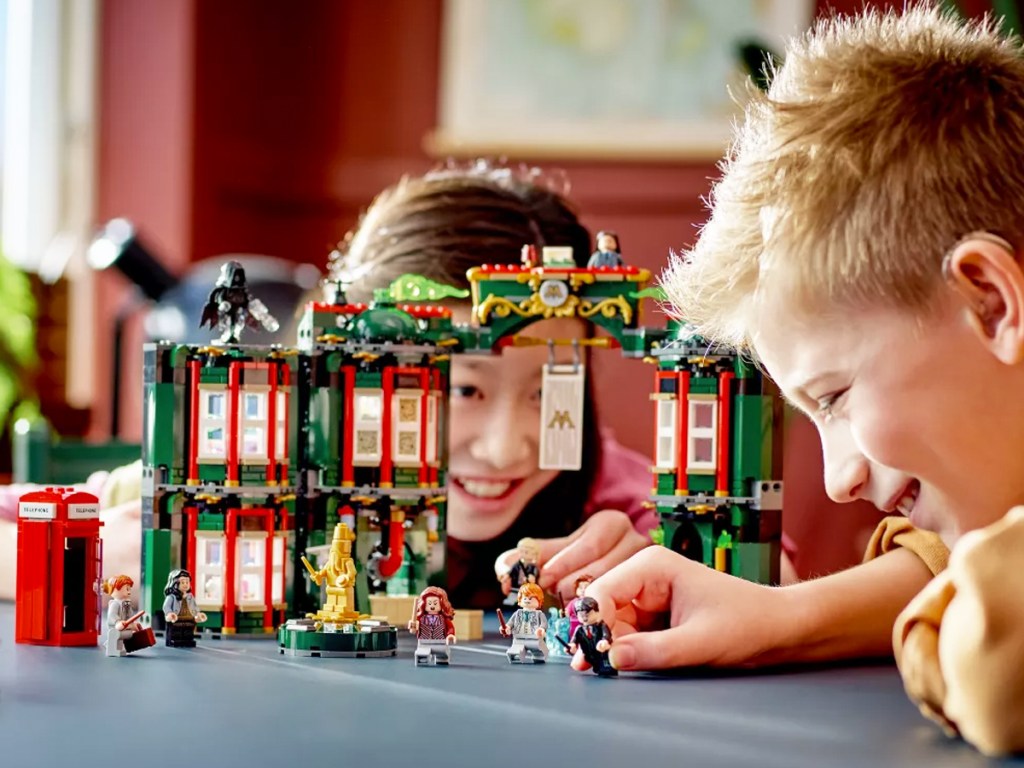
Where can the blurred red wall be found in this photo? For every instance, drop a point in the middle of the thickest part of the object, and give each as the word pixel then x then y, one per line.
pixel 235 126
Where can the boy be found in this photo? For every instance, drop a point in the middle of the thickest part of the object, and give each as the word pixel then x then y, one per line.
pixel 865 245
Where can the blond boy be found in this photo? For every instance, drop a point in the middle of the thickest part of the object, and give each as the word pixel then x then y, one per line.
pixel 866 245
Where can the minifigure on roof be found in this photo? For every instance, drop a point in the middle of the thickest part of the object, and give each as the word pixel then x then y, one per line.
pixel 607 253
pixel 231 307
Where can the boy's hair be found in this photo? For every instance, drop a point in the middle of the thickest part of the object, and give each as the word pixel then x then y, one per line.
pixel 883 139
pixel 531 590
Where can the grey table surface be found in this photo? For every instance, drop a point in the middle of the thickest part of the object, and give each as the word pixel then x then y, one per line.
pixel 241 703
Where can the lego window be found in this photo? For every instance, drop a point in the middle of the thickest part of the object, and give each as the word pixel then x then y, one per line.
pixel 703 451
pixel 252 570
pixel 250 589
pixel 252 552
pixel 368 408
pixel 252 434
pixel 210 590
pixel 702 435
pixel 405 409
pixel 212 444
pixel 214 552
pixel 253 442
pixel 215 405
pixel 667 437
pixel 212 409
pixel 703 415
pixel 254 404
pixel 209 569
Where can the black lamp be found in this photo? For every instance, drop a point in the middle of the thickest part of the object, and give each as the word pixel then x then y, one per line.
pixel 118 246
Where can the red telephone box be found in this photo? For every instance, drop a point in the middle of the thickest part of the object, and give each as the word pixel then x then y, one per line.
pixel 59 568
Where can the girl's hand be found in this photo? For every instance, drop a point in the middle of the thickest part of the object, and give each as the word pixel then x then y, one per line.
pixel 605 539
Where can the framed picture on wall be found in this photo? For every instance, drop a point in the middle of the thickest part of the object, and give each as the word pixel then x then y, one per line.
pixel 617 79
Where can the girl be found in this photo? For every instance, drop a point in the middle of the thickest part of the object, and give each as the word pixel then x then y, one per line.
pixel 438 226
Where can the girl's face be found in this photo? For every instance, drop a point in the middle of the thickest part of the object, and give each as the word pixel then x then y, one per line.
pixel 494 431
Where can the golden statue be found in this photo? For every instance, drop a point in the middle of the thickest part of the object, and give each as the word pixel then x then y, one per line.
pixel 340 574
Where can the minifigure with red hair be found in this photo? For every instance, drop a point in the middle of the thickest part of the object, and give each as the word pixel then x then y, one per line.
pixel 433 627
pixel 124 632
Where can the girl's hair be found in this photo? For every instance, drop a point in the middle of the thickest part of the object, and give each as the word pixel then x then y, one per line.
pixel 442 223
pixel 116 582
pixel 421 603
pixel 883 140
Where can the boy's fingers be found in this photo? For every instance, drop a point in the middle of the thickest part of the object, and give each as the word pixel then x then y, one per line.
pixel 644 581
pixel 654 650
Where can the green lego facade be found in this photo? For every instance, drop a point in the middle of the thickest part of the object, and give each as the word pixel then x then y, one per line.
pixel 735 526
pixel 249 446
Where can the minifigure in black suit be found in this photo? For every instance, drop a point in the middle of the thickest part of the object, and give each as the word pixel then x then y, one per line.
pixel 593 637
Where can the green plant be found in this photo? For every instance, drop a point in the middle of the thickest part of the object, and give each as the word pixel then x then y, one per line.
pixel 18 357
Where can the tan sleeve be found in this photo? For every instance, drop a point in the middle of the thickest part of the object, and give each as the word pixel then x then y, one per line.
pixel 959 643
pixel 895 532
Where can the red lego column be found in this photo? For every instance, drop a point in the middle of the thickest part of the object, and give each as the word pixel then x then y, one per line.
pixel 59 568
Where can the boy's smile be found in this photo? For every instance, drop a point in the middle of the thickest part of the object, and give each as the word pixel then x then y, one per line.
pixel 904 408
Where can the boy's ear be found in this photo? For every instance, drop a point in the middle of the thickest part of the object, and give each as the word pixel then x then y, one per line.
pixel 986 272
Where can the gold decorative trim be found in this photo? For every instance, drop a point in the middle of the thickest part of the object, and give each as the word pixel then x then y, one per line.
pixel 607 307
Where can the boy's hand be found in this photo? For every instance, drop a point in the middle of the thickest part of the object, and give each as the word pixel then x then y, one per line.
pixel 605 539
pixel 714 619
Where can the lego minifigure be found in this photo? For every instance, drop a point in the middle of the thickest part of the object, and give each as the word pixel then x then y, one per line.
pixel 124 633
pixel 340 575
pixel 527 627
pixel 525 570
pixel 230 307
pixel 180 611
pixel 593 637
pixel 607 253
pixel 433 627
pixel 528 256
pixel 580 589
